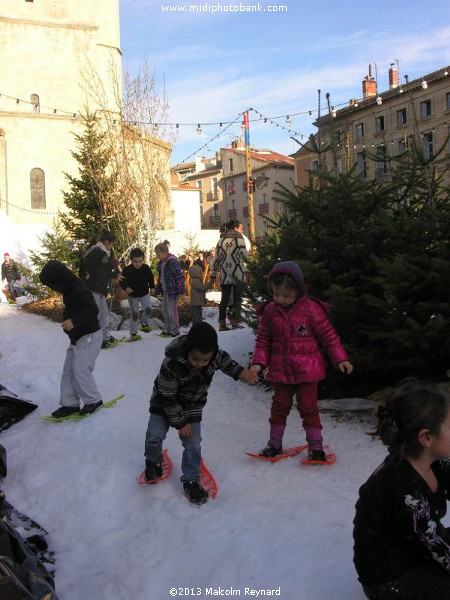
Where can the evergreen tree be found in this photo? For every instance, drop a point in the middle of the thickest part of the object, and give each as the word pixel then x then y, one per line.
pixel 91 190
pixel 379 254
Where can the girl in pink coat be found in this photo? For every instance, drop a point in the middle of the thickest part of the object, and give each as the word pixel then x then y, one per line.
pixel 293 332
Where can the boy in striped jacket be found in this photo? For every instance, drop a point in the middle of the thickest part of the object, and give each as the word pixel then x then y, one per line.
pixel 179 395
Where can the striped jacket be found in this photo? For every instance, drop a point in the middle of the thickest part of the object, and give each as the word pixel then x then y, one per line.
pixel 180 390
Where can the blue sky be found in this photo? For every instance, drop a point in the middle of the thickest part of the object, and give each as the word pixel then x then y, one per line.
pixel 217 64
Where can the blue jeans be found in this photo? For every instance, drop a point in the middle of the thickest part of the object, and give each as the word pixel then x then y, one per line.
pixel 155 436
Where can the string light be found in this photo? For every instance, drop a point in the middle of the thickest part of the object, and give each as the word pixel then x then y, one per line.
pixel 39 211
pixel 272 120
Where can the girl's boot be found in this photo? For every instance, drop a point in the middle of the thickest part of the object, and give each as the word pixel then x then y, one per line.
pixel 314 439
pixel 275 443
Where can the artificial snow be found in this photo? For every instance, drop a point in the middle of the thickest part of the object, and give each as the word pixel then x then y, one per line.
pixel 280 528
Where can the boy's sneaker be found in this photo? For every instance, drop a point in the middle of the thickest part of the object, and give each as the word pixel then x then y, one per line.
pixel 90 408
pixel 108 342
pixel 134 337
pixel 152 471
pixel 318 455
pixel 64 411
pixel 194 492
pixel 146 328
pixel 271 451
pixel 223 326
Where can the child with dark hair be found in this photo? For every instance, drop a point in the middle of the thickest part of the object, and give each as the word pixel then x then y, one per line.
pixel 80 323
pixel 11 274
pixel 138 282
pixel 171 284
pixel 179 395
pixel 402 550
pixel 97 270
pixel 293 330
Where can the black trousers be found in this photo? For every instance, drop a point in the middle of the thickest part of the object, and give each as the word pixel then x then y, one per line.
pixel 429 582
pixel 227 289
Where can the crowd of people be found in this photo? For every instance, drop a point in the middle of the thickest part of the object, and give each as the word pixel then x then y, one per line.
pixel 401 547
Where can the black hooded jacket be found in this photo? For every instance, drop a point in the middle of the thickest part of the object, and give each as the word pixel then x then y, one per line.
pixel 79 303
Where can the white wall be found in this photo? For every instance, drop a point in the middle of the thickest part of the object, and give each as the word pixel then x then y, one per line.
pixel 19 239
pixel 186 207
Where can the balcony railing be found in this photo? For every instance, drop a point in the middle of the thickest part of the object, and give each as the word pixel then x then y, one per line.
pixel 232 213
pixel 381 174
pixel 212 196
pixel 214 220
pixel 263 208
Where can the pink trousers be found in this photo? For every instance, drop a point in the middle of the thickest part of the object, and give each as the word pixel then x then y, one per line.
pixel 282 401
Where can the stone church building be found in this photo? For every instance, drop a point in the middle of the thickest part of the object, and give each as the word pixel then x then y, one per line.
pixel 45 47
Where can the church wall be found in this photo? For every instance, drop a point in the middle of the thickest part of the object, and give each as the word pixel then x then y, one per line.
pixel 44 49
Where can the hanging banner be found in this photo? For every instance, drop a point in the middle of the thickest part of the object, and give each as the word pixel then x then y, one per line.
pixel 247 129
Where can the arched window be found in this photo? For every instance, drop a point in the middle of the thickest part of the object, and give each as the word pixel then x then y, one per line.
pixel 34 100
pixel 37 187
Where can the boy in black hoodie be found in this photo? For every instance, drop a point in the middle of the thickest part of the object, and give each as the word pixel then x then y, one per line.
pixel 138 282
pixel 80 323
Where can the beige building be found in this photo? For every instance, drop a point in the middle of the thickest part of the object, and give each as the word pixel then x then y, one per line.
pixel 268 169
pixel 45 47
pixel 380 125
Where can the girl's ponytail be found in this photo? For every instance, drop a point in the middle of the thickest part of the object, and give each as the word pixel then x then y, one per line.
pixel 404 411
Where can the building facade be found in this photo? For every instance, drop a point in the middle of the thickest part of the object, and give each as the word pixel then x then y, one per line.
pixel 46 49
pixel 205 174
pixel 268 169
pixel 370 130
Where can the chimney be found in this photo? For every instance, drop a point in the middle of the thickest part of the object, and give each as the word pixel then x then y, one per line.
pixel 393 77
pixel 369 85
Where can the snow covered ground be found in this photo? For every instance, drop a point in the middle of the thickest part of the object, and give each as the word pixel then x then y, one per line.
pixel 278 526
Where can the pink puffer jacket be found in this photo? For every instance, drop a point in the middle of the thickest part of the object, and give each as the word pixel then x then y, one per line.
pixel 289 342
